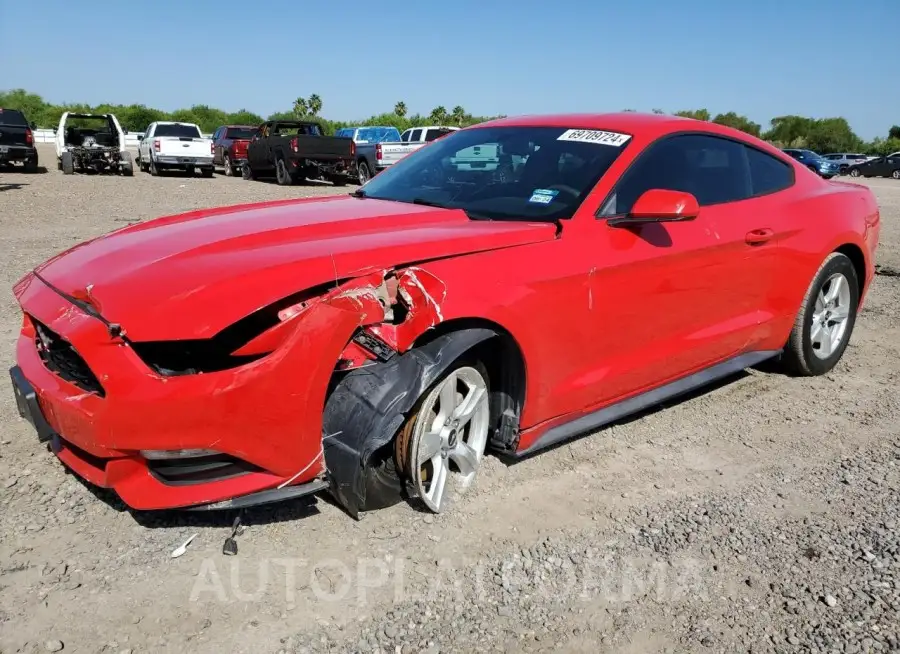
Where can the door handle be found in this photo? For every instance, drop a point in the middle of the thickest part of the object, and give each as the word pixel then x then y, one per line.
pixel 759 236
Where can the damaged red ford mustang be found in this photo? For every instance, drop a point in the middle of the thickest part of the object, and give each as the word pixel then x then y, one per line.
pixel 503 289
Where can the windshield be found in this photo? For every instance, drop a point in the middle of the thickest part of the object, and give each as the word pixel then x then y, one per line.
pixel 503 173
pixel 178 130
pixel 240 132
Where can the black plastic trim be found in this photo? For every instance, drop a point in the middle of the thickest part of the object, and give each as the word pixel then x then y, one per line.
pixel 606 415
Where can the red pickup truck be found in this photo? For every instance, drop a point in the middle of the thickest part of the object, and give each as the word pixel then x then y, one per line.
pixel 230 147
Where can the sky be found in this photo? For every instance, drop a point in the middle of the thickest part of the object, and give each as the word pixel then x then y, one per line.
pixel 760 58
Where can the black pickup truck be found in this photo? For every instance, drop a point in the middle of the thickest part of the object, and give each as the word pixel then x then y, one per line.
pixel 17 139
pixel 294 150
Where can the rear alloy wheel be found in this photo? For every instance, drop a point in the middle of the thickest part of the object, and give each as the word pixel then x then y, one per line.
pixel 854 172
pixel 442 444
pixel 896 174
pixel 282 176
pixel 246 172
pixel 363 173
pixel 825 322
pixel 229 170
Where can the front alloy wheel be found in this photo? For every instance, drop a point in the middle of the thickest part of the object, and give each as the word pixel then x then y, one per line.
pixel 443 443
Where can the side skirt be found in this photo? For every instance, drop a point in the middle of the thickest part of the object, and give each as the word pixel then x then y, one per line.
pixel 619 410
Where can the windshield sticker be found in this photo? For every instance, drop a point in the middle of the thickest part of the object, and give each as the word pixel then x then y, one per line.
pixel 543 195
pixel 595 136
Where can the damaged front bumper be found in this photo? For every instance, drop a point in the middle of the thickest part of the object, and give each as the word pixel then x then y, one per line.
pixel 265 415
pixel 301 418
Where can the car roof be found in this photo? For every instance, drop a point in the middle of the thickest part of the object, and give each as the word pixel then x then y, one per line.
pixel 649 126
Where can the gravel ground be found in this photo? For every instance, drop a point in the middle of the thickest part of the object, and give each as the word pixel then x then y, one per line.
pixel 760 516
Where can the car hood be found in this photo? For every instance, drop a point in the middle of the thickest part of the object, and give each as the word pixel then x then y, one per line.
pixel 191 275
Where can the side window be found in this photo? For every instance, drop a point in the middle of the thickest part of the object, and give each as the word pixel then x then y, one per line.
pixel 712 169
pixel 404 137
pixel 416 135
pixel 767 173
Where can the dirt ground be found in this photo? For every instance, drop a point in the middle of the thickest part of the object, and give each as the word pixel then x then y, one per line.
pixel 760 515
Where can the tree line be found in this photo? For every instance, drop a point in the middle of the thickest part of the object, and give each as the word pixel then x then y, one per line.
pixel 819 134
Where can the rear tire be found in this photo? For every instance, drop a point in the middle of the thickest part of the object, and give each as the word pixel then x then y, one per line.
pixel 825 322
pixel 246 171
pixel 229 169
pixel 67 163
pixel 363 172
pixel 206 172
pixel 31 164
pixel 895 174
pixel 127 165
pixel 282 176
pixel 339 180
pixel 854 172
pixel 153 169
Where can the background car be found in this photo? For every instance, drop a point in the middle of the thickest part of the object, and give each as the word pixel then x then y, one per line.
pixel 888 166
pixel 17 139
pixel 814 162
pixel 230 146
pixel 845 159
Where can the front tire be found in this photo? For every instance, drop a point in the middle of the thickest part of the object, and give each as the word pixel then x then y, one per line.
pixel 826 319
pixel 895 174
pixel 441 446
pixel 854 172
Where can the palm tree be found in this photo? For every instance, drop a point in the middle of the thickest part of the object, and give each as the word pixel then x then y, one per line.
pixel 400 109
pixel 315 104
pixel 439 115
pixel 300 107
pixel 458 114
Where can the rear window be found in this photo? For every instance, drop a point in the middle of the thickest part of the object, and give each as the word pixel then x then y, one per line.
pixel 377 135
pixel 12 117
pixel 296 130
pixel 178 131
pixel 240 132
pixel 432 134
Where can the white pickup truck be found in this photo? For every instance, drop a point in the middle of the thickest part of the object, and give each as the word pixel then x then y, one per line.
pixel 411 140
pixel 175 146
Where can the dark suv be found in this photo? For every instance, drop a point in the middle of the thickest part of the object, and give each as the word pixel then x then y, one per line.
pixel 17 139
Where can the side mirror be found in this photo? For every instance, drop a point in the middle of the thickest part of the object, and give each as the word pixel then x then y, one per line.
pixel 659 206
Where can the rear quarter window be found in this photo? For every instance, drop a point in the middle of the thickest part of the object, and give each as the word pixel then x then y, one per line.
pixel 767 173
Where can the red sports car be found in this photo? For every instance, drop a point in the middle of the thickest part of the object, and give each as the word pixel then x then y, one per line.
pixel 502 289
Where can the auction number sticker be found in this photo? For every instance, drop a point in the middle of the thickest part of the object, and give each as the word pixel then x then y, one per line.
pixel 543 195
pixel 595 136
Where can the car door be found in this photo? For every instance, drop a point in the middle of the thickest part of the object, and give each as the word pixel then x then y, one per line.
pixel 146 143
pixel 256 148
pixel 680 296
